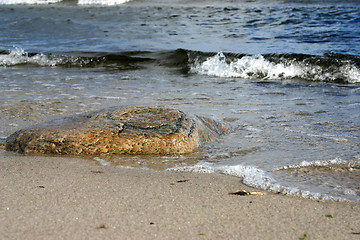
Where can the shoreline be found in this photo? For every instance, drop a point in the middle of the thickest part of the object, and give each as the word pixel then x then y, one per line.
pixel 71 198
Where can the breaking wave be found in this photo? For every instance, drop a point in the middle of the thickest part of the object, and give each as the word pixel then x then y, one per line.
pixel 110 61
pixel 329 68
pixel 18 57
pixel 334 68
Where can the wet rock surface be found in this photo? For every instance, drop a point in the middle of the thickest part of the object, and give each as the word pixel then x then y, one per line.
pixel 118 130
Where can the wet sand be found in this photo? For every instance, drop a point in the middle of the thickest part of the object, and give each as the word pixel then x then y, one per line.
pixel 73 198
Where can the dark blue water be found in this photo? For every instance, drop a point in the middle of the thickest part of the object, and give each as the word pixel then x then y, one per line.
pixel 252 27
pixel 284 74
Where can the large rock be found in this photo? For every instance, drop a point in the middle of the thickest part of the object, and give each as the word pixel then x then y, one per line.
pixel 127 130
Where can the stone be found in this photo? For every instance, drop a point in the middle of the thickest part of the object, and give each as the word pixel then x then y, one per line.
pixel 118 130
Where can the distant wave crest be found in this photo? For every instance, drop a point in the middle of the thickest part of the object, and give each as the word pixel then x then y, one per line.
pixel 80 2
pixel 13 2
pixel 18 56
pixel 108 61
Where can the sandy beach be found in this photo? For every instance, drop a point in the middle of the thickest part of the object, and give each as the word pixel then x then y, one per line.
pixel 73 198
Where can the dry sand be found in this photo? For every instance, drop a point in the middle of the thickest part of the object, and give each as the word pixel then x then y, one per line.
pixel 69 198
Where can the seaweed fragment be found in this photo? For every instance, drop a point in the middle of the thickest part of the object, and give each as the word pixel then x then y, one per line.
pixel 102 226
pixel 181 181
pixel 304 237
pixel 245 193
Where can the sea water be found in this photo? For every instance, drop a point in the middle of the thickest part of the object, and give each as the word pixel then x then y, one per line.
pixel 284 75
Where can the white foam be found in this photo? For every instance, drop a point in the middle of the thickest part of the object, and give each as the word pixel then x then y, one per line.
pixel 13 2
pixel 316 163
pixel 351 72
pixel 110 97
pixel 102 161
pixel 252 67
pixel 102 2
pixel 203 167
pixel 246 67
pixel 19 56
pixel 257 178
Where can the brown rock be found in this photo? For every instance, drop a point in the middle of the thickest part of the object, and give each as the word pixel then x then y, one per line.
pixel 128 130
